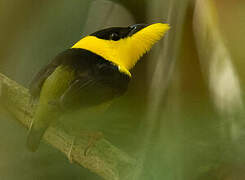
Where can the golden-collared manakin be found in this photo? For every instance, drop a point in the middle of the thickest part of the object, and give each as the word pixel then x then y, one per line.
pixel 92 72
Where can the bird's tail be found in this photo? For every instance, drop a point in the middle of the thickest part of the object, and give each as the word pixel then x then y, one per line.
pixel 45 114
pixel 42 119
pixel 34 137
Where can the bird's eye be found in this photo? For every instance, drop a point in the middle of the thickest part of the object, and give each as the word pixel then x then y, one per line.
pixel 114 36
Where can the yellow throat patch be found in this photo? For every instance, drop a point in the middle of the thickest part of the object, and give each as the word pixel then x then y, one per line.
pixel 125 52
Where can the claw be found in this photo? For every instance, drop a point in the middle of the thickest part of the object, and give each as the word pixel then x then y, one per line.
pixel 31 104
pixel 92 140
pixel 31 124
pixel 69 154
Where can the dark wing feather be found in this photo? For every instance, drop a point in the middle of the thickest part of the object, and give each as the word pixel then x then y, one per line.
pixel 96 79
pixel 85 92
pixel 70 97
pixel 75 58
pixel 101 83
pixel 38 80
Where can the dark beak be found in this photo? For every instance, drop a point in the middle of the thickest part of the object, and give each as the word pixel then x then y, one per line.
pixel 135 28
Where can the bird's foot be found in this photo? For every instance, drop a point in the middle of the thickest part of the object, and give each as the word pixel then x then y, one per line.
pixel 69 153
pixel 30 126
pixel 93 138
pixel 31 104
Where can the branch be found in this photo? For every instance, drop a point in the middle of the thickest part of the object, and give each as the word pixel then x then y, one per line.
pixel 216 59
pixel 217 65
pixel 103 159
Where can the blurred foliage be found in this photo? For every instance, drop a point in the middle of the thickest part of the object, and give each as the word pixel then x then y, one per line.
pixel 187 142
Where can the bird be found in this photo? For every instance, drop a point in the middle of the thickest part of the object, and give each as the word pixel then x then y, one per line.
pixel 90 74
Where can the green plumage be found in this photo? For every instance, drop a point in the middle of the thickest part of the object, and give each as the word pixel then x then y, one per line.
pixel 75 79
pixel 48 110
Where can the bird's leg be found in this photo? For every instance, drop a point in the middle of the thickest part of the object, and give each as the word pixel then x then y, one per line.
pixel 69 153
pixel 32 120
pixel 92 140
pixel 93 137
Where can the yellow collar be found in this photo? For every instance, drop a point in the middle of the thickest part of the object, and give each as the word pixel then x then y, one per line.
pixel 125 52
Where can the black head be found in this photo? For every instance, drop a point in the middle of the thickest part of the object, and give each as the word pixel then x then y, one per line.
pixel 116 33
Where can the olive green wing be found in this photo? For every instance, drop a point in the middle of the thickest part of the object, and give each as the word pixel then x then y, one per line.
pixel 39 79
pixel 48 110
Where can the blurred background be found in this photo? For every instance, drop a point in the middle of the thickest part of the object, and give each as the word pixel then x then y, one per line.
pixel 183 114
